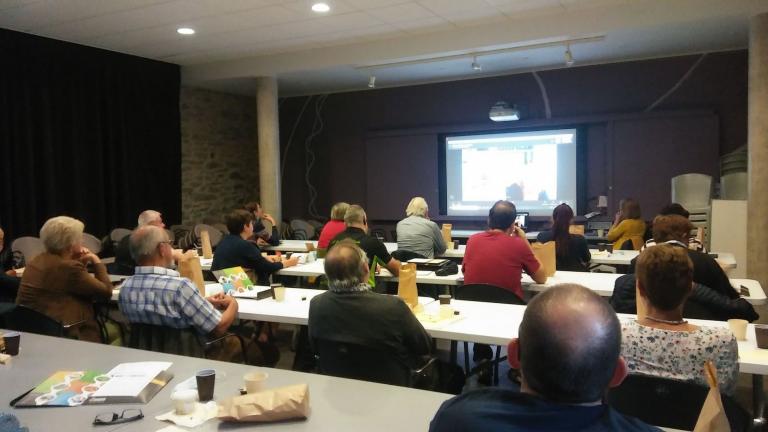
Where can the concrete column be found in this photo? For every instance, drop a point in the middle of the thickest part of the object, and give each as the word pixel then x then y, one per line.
pixel 757 205
pixel 269 146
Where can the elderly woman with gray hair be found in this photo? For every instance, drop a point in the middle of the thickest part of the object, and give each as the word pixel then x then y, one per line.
pixel 56 283
pixel 417 234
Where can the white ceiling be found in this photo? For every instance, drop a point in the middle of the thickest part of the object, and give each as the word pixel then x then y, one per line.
pixel 309 53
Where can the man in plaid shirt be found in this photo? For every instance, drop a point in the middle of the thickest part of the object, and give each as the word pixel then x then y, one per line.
pixel 158 295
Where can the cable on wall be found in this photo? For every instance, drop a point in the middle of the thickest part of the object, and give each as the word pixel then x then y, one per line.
pixel 679 83
pixel 317 128
pixel 547 111
pixel 290 138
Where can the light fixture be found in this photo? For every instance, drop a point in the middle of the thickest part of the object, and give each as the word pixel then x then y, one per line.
pixel 320 7
pixel 372 81
pixel 475 65
pixel 568 56
pixel 186 31
pixel 501 111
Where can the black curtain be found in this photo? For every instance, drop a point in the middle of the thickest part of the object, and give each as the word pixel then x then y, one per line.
pixel 87 133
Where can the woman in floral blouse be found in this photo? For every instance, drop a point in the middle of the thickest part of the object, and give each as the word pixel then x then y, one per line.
pixel 662 343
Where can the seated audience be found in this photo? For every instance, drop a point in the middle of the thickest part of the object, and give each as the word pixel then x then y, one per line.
pixel 571 250
pixel 356 222
pixel 568 355
pixel 56 283
pixel 157 295
pixel 417 234
pixel 677 209
pixel 627 226
pixel 339 314
pixel 124 263
pixel 664 344
pixel 9 283
pixel 261 235
pixel 334 226
pixel 235 250
pixel 500 255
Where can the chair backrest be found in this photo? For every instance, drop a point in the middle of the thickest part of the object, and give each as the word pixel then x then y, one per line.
pixel 487 293
pixel 733 186
pixel 356 361
pixel 668 403
pixel 25 319
pixel 693 191
pixel 118 234
pixel 301 224
pixel 167 340
pixel 213 233
pixel 29 247
pixel 379 233
pixel 91 242
pixel 171 236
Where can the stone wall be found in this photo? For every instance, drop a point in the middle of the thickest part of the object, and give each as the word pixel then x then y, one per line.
pixel 219 163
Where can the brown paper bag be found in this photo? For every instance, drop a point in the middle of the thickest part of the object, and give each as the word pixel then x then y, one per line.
pixel 446 230
pixel 406 285
pixel 278 404
pixel 576 229
pixel 189 267
pixel 545 252
pixel 205 239
pixel 310 246
pixel 712 417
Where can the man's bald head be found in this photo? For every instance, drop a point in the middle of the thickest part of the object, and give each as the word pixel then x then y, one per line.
pixel 569 342
pixel 346 265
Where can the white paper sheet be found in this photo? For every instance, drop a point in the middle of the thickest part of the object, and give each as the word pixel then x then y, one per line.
pixel 129 379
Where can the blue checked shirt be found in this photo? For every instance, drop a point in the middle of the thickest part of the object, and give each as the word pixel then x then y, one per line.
pixel 159 296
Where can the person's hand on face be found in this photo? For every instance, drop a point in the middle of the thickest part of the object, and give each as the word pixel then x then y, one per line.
pixel 268 217
pixel 518 232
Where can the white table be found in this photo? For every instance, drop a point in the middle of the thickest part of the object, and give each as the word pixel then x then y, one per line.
pixel 624 257
pixel 337 404
pixel 301 246
pixel 601 283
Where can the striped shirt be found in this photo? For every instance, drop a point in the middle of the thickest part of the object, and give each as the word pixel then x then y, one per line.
pixel 159 296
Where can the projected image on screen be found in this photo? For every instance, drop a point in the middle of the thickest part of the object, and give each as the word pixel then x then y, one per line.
pixel 535 170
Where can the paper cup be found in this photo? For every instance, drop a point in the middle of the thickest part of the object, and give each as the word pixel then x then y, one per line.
pixel 12 342
pixel 206 380
pixel 254 381
pixel 601 247
pixel 739 328
pixel 279 294
pixel 761 334
pixel 445 299
pixel 184 401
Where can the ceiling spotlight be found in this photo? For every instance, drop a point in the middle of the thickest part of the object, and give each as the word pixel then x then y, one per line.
pixel 475 65
pixel 185 31
pixel 568 56
pixel 372 81
pixel 501 111
pixel 320 7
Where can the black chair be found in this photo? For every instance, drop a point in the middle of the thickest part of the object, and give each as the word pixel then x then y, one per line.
pixel 357 361
pixel 379 233
pixel 670 403
pixel 4 309
pixel 186 342
pixel 491 294
pixel 25 319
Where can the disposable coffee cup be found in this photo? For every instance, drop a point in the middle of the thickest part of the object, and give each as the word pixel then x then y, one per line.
pixel 254 381
pixel 12 342
pixel 279 293
pixel 184 401
pixel 609 248
pixel 206 380
pixel 601 247
pixel 455 244
pixel 761 334
pixel 739 328
pixel 445 299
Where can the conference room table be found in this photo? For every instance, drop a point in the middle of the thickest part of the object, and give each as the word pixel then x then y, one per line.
pixel 336 404
pixel 487 323
pixel 601 283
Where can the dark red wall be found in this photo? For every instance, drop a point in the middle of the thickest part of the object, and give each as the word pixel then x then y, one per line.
pixel 593 95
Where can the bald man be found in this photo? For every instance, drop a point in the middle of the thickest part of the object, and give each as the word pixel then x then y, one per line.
pixel 568 354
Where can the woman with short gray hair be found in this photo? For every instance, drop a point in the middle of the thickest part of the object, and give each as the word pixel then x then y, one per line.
pixel 56 283
pixel 417 234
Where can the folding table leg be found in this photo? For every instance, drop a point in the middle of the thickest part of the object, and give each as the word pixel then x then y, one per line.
pixel 758 401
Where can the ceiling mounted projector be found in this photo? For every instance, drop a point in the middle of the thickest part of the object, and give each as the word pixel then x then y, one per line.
pixel 501 111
